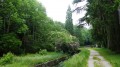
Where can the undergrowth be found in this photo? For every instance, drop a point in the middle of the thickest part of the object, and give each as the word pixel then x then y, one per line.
pixel 110 56
pixel 78 60
pixel 29 60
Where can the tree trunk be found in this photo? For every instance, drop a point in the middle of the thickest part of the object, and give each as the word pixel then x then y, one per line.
pixel 8 26
pixel 113 34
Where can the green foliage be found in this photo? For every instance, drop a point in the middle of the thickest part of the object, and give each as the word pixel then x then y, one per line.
pixel 32 29
pixel 78 60
pixel 7 59
pixel 63 41
pixel 31 60
pixel 70 48
pixel 43 52
pixel 9 42
pixel 60 37
pixel 83 34
pixel 22 29
pixel 78 33
pixel 28 21
pixel 1 23
pixel 110 56
pixel 103 15
pixel 69 21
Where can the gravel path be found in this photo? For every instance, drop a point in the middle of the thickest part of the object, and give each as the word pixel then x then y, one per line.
pixel 96 59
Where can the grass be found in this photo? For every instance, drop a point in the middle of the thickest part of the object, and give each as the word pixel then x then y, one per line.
pixel 96 64
pixel 78 60
pixel 97 61
pixel 31 60
pixel 110 56
pixel 96 58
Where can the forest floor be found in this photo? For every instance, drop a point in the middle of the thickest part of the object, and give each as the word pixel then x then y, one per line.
pixel 96 60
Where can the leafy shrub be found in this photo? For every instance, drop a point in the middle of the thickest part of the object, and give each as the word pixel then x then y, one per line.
pixel 9 42
pixel 70 48
pixel 64 41
pixel 43 52
pixel 6 59
pixel 56 37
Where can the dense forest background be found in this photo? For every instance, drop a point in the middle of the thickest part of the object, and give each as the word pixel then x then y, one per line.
pixel 25 28
pixel 104 16
pixel 28 34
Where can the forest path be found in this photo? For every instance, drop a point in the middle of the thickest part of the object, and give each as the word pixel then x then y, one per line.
pixel 96 60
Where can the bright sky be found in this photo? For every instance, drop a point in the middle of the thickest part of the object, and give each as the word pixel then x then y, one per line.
pixel 56 9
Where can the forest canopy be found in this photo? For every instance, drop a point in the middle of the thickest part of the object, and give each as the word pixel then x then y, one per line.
pixel 25 28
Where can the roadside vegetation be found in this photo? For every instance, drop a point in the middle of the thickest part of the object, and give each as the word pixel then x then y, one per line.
pixel 29 60
pixel 78 60
pixel 112 57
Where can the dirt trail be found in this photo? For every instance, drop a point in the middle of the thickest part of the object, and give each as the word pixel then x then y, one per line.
pixel 96 60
